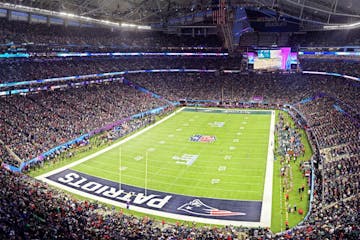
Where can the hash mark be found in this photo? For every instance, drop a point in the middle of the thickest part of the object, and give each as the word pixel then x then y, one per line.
pixel 221 168
pixel 215 181
pixel 138 158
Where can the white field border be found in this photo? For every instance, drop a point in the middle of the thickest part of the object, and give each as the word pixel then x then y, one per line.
pixel 265 219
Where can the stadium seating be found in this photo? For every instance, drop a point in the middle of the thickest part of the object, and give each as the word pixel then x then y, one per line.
pixel 22 70
pixel 42 37
pixel 349 67
pixel 40 122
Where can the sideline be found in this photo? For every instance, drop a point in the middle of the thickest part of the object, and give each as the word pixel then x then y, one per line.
pixel 73 164
pixel 265 218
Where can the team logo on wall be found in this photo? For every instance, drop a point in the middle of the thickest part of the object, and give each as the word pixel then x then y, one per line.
pixel 197 207
pixel 202 138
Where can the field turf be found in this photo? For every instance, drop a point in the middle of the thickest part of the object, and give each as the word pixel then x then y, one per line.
pixel 230 167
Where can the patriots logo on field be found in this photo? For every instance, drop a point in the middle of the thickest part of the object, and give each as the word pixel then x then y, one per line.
pixel 197 207
pixel 202 138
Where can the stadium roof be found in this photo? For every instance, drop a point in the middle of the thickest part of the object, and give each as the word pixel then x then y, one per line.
pixel 159 11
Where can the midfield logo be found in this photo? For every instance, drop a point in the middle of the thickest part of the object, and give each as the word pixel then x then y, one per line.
pixel 197 207
pixel 202 138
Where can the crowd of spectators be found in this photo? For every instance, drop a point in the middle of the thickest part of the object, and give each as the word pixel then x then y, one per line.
pixel 273 88
pixel 341 179
pixel 33 124
pixel 322 113
pixel 24 70
pixel 338 136
pixel 338 221
pixel 236 87
pixel 5 155
pixel 41 37
pixel 36 36
pixel 32 210
pixel 95 139
pixel 349 67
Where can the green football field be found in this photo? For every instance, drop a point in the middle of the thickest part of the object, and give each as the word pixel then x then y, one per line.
pixel 226 158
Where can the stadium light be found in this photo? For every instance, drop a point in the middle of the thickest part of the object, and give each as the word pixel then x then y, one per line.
pixel 130 25
pixel 144 27
pixel 62 15
pixel 342 26
pixel 67 14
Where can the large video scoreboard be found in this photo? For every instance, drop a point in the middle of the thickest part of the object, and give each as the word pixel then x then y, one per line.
pixel 272 59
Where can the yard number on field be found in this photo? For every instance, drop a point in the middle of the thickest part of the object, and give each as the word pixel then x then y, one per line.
pixel 187 159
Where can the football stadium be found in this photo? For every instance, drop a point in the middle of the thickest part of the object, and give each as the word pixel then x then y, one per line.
pixel 180 119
